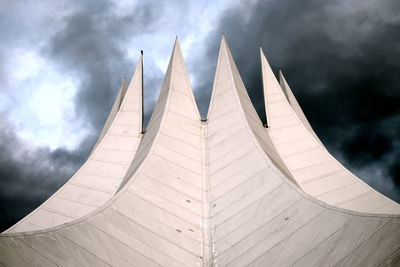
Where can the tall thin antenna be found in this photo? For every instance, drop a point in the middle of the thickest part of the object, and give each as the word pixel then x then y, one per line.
pixel 143 130
pixel 263 91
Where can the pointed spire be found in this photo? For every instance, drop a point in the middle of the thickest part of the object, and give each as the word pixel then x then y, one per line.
pixel 222 79
pixel 176 89
pixel 229 89
pixel 296 106
pixel 273 92
pixel 135 85
pixel 180 83
pixel 227 77
pixel 269 79
pixel 286 89
pixel 230 104
pixel 132 95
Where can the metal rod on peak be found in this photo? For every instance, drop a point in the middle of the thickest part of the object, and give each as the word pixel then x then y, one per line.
pixel 143 130
pixel 263 91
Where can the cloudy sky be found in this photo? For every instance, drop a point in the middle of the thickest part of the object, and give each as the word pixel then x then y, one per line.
pixel 62 62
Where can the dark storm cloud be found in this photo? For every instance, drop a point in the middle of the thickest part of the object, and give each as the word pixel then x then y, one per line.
pixel 341 59
pixel 89 47
pixel 29 176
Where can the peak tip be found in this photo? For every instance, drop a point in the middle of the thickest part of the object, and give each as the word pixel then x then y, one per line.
pixel 176 43
pixel 223 42
pixel 223 38
pixel 262 52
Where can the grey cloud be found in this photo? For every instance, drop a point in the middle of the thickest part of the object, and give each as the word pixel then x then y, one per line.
pixel 89 47
pixel 29 175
